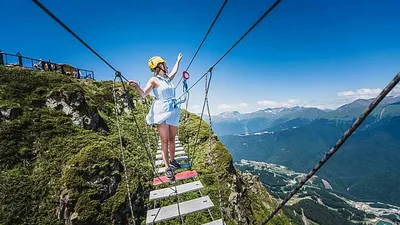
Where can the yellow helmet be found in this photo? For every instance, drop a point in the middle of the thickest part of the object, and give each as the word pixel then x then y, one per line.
pixel 154 61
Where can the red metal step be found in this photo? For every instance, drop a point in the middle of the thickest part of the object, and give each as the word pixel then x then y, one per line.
pixel 179 176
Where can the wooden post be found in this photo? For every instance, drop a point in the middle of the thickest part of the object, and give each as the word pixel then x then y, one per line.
pixel 1 58
pixel 19 59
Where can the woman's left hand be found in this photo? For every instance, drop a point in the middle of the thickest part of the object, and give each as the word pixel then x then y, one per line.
pixel 132 83
pixel 179 56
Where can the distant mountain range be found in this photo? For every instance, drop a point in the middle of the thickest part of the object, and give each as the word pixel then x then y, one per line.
pixel 366 167
pixel 233 122
pixel 236 123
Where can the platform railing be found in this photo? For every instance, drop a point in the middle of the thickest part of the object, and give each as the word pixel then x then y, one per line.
pixel 17 60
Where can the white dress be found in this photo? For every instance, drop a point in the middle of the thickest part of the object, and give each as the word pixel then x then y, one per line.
pixel 165 107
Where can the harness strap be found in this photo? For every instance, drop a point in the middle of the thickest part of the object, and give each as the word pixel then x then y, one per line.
pixel 185 91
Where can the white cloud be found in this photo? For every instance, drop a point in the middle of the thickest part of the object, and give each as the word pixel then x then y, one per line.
pixel 232 106
pixel 273 104
pixel 319 106
pixel 268 103
pixel 345 93
pixel 346 97
pixel 225 106
pixel 330 101
pixel 360 93
pixel 292 103
pixel 395 91
pixel 364 93
pixel 195 108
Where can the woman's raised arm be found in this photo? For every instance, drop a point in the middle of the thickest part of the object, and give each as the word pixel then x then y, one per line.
pixel 176 67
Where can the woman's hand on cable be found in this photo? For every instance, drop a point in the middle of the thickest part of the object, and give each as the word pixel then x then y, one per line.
pixel 132 83
pixel 179 56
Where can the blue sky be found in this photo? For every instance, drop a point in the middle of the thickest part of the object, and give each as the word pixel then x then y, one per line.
pixel 309 53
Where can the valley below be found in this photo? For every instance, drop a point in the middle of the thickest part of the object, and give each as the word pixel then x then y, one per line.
pixel 317 202
pixel 359 184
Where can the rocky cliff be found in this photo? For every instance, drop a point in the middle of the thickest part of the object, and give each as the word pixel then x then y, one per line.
pixel 61 162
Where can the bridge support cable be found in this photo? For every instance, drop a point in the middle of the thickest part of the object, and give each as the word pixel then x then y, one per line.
pixel 205 37
pixel 238 41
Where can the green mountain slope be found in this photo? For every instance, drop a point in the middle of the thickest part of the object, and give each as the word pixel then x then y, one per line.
pixel 317 202
pixel 362 164
pixel 387 108
pixel 61 163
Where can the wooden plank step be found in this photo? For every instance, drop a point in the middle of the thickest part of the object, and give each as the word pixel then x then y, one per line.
pixel 215 222
pixel 183 166
pixel 176 139
pixel 176 144
pixel 159 140
pixel 181 189
pixel 159 156
pixel 179 176
pixel 178 159
pixel 171 211
pixel 177 148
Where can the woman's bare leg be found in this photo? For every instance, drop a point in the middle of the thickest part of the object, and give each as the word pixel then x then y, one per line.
pixel 172 134
pixel 163 131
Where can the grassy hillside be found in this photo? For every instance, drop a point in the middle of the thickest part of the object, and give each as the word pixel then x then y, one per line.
pixel 59 140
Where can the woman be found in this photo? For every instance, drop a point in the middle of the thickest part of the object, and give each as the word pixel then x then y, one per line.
pixel 164 111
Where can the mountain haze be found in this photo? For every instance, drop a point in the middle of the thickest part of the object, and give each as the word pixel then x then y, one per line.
pixel 236 123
